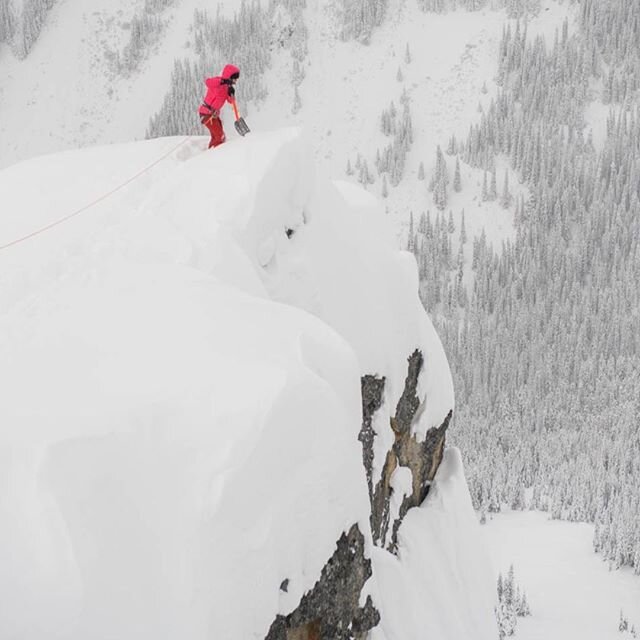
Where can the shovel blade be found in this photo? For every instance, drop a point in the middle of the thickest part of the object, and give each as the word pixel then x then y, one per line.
pixel 241 127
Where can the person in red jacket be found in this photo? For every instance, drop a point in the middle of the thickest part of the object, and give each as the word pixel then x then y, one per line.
pixel 219 91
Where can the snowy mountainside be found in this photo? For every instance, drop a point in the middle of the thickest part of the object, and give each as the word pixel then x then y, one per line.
pixel 443 66
pixel 181 366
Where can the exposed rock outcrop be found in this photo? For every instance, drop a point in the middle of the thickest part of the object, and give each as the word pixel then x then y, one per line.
pixel 420 457
pixel 331 610
pixel 372 394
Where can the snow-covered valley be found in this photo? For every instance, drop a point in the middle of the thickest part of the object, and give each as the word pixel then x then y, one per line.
pixel 572 592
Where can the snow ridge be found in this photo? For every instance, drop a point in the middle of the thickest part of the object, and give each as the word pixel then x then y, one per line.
pixel 203 332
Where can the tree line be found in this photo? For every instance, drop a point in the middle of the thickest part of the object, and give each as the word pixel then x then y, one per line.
pixel 545 348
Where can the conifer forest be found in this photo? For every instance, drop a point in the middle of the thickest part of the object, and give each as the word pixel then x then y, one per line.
pixel 545 346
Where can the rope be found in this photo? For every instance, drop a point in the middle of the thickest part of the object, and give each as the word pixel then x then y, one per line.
pixel 93 202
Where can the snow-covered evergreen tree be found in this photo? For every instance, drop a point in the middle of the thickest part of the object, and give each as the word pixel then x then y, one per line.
pixel 392 158
pixel 452 147
pixel 623 623
pixel 463 229
pixel 457 180
pixel 297 102
pixel 7 21
pixel 349 169
pixel 30 24
pixel 512 604
pixel 440 181
pixel 407 54
pixel 506 198
pixel 359 18
pixel 493 188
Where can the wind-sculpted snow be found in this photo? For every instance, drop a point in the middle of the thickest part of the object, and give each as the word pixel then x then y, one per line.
pixel 180 370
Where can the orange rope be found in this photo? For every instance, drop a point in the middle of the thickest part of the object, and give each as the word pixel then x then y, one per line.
pixel 93 202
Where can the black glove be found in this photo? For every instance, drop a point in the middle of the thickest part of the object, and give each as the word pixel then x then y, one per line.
pixel 232 91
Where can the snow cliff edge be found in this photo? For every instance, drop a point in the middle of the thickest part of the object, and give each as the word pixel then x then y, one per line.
pixel 187 370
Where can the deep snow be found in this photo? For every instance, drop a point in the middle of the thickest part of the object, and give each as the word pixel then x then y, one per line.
pixel 571 591
pixel 181 394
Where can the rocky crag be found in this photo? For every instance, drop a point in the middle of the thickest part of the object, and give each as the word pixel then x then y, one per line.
pixel 332 609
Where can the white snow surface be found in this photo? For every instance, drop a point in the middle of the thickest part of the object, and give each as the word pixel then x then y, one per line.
pixel 572 593
pixel 181 386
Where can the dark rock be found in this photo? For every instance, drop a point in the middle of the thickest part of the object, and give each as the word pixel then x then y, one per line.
pixel 372 388
pixel 331 610
pixel 366 618
pixel 409 402
pixel 422 458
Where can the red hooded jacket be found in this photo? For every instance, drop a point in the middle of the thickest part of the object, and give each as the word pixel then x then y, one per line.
pixel 217 91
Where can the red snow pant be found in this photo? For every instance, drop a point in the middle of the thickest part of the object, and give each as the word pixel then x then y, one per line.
pixel 215 129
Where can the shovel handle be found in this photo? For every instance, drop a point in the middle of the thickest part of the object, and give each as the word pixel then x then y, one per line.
pixel 235 109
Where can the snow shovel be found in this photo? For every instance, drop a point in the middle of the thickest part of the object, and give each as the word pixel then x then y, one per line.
pixel 241 126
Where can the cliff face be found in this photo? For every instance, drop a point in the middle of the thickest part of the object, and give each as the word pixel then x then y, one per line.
pixel 333 609
pixel 421 458
pixel 240 399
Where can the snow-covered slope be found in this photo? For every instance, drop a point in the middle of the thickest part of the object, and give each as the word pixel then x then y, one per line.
pixel 563 578
pixel 180 368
